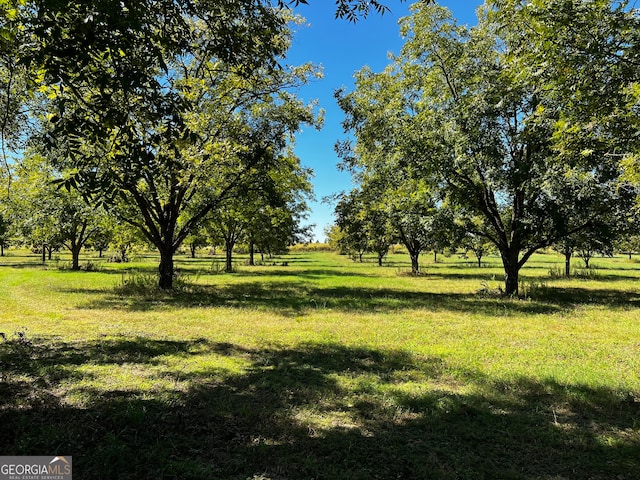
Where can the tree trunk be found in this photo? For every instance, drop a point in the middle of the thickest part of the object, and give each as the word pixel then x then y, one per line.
pixel 1 249
pixel 193 247
pixel 251 253
pixel 479 257
pixel 50 252
pixel 229 254
pixel 586 261
pixel 165 269
pixel 360 256
pixel 380 257
pixel 415 265
pixel 75 257
pixel 511 272
pixel 44 253
pixel 567 262
pixel 100 252
pixel 435 256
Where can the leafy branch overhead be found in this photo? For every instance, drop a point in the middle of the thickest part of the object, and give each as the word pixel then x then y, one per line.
pixel 352 10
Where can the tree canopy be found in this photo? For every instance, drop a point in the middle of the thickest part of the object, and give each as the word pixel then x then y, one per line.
pixel 469 114
pixel 160 110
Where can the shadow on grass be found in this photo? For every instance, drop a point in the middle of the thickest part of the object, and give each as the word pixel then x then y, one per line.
pixel 306 273
pixel 21 265
pixel 294 298
pixel 287 298
pixel 568 296
pixel 322 411
pixel 450 272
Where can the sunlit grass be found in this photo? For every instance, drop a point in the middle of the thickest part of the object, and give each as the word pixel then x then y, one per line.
pixel 312 366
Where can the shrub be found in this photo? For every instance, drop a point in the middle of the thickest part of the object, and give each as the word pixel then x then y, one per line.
pixel 311 247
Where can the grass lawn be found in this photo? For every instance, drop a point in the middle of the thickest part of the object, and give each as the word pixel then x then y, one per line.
pixel 323 369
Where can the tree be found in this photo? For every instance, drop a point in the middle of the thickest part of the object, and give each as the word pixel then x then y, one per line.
pixel 589 245
pixel 408 223
pixel 45 44
pixel 379 231
pixel 478 244
pixel 196 240
pixel 15 91
pixel 599 238
pixel 349 213
pixel 566 247
pixel 274 229
pixel 586 53
pixel 228 226
pixel 35 206
pixel 49 216
pixel 126 238
pixel 283 192
pixel 166 125
pixel 480 128
pixel 268 210
pixel 103 236
pixel 334 235
pixel 363 217
pixel 421 224
pixel 628 244
pixel 76 223
pixel 4 233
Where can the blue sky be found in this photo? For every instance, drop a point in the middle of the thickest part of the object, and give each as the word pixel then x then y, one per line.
pixel 342 48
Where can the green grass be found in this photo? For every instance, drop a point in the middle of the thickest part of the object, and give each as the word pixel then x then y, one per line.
pixel 323 369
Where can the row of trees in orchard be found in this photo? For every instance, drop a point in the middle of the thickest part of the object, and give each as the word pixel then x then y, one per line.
pixel 367 223
pixel 369 220
pixel 521 131
pixel 167 115
pixel 39 215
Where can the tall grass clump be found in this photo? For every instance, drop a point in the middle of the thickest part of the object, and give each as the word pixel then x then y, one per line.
pixel 137 283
